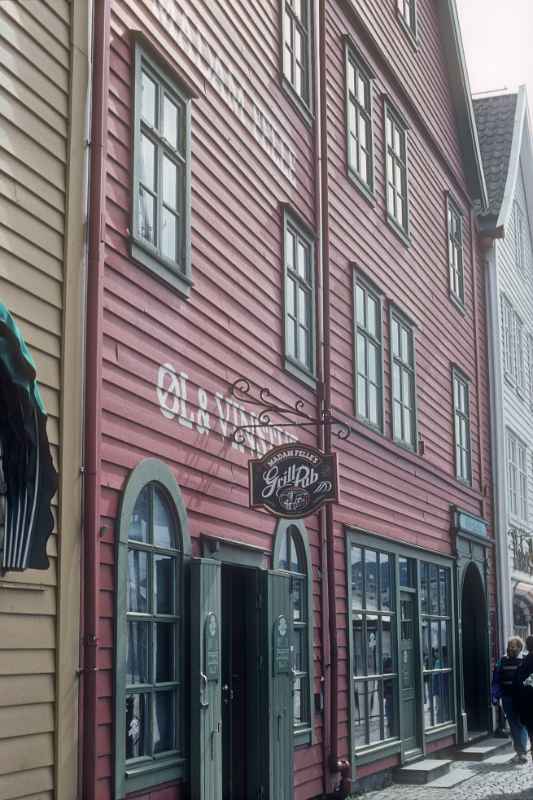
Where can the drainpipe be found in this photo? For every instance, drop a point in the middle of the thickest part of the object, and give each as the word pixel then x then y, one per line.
pixel 93 394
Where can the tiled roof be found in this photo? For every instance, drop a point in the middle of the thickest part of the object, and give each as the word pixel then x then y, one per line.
pixel 495 123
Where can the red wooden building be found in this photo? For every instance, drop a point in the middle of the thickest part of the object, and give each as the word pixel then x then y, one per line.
pixel 282 191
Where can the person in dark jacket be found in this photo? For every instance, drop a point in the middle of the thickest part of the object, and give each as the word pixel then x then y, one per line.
pixel 523 690
pixel 503 689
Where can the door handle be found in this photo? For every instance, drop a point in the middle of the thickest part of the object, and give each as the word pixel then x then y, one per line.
pixel 204 702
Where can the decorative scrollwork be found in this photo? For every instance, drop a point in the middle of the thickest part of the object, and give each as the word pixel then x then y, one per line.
pixel 241 390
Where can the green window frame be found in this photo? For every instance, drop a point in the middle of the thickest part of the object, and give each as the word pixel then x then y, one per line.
pixel 373 634
pixel 427 578
pixel 150 675
pixel 292 555
pixel 161 202
pixel 436 632
pixel 299 300
pixel 297 50
pixel 461 426
pixel 368 353
pixel 396 171
pixel 359 135
pixel 407 14
pixel 403 381
pixel 455 252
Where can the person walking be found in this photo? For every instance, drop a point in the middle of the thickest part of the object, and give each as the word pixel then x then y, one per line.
pixel 523 691
pixel 504 688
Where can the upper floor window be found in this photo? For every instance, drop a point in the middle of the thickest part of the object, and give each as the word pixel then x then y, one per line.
pixel 161 174
pixel 516 477
pixel 297 48
pixel 292 556
pixel 520 255
pixel 513 345
pixel 359 120
pixel 396 170
pixel 403 381
pixel 461 414
pixel 407 14
pixel 368 355
pixel 299 299
pixel 455 252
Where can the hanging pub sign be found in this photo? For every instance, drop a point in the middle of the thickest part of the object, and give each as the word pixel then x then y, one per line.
pixel 293 480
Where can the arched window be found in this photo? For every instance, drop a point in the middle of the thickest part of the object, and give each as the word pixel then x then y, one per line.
pixel 149 704
pixel 291 554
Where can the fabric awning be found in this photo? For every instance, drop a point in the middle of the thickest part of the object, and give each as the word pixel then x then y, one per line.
pixel 29 476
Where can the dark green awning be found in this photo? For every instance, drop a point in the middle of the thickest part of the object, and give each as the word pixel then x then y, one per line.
pixel 29 478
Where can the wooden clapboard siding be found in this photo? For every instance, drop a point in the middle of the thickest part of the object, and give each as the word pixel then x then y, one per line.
pixel 43 79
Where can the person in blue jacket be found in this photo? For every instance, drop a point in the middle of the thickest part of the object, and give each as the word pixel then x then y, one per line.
pixel 503 689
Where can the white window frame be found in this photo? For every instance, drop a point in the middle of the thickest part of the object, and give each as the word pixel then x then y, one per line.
pixel 517 478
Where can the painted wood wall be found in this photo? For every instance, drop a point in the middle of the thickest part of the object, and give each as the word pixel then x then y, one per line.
pixel 232 323
pixel 385 489
pixel 43 79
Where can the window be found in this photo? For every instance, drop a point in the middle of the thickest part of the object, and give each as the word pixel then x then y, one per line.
pixel 403 381
pixel 519 354
pixel 396 170
pixel 435 608
pixel 461 417
pixel 455 252
pixel 297 48
pixel 368 355
pixel 291 556
pixel 359 121
pixel 161 174
pixel 299 300
pixel 374 662
pixel 149 703
pixel 517 477
pixel 407 14
pixel 519 238
pixel 513 345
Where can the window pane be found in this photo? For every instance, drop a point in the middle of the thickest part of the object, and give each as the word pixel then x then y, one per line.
pixel 359 722
pixel 426 646
pixel 372 649
pixel 372 310
pixel 372 362
pixel 140 519
pixel 289 249
pixel 164 721
pixel 436 662
pixel 301 305
pixel 373 408
pixel 170 122
pixel 358 645
pixel 148 99
pixel 444 580
pixel 291 291
pixel 137 653
pixel 137 725
pixel 442 692
pixel 424 588
pixel 301 255
pixel 298 642
pixel 385 580
pixel 170 183
pixel 388 708
pixel 298 614
pixel 371 579
pixel 283 554
pixel 395 338
pixel 291 337
pixel 386 645
pixel 164 652
pixel 163 524
pixel 433 589
pixel 428 701
pixel 137 581
pixel 357 577
pixel 444 643
pixel 169 235
pixel 396 381
pixel 146 216
pixel 148 173
pixel 164 567
pixel 374 708
pixel 300 701
pixel 360 306
pixel 303 346
pixel 362 409
pixel 361 354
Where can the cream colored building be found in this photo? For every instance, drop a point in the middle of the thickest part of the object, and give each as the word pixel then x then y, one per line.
pixel 44 68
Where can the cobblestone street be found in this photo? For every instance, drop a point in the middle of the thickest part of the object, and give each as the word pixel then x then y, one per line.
pixel 492 779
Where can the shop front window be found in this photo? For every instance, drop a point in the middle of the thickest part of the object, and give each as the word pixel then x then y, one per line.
pixel 436 644
pixel 373 630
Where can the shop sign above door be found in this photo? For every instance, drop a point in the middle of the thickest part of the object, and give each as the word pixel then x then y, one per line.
pixel 293 481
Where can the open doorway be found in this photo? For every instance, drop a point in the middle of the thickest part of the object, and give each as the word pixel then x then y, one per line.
pixel 475 655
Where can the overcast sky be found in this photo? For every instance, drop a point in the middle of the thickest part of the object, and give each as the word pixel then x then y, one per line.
pixel 498 41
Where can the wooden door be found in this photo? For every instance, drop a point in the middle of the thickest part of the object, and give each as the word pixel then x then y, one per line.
pixel 408 674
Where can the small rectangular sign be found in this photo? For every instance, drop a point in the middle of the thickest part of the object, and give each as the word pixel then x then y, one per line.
pixel 293 480
pixel 470 524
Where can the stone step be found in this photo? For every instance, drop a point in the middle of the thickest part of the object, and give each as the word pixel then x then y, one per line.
pixel 483 750
pixel 424 771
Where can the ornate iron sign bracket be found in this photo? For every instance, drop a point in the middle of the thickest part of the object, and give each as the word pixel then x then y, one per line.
pixel 242 391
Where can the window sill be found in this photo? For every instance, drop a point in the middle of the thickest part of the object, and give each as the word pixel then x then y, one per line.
pixel 302 738
pixel 361 187
pixel 297 102
pixel 161 268
pixel 464 482
pixel 457 303
pixel 376 752
pixel 378 430
pixel 440 732
pixel 409 447
pixel 299 372
pixel 400 232
pixel 157 772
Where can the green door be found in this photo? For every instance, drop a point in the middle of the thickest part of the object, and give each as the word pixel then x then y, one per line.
pixel 206 717
pixel 280 686
pixel 408 675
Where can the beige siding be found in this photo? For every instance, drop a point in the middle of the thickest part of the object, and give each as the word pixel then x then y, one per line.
pixel 43 48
